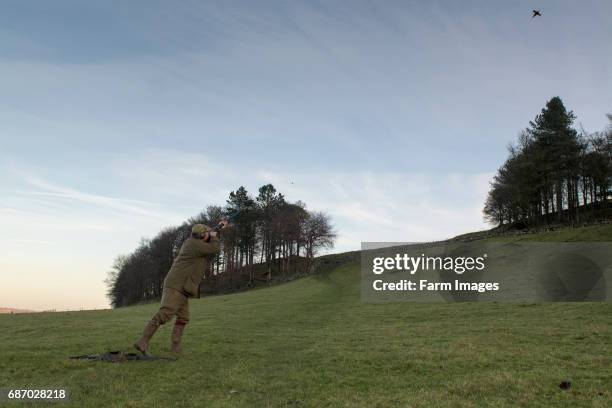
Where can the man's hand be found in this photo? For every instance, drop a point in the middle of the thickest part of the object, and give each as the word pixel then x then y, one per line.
pixel 209 235
pixel 224 223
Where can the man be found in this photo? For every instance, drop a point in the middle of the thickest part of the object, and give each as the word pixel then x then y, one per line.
pixel 181 283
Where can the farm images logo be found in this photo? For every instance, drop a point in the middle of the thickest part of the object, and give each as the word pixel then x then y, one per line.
pixel 403 262
pixel 486 271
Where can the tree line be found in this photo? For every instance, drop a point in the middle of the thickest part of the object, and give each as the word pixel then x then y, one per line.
pixel 553 174
pixel 269 239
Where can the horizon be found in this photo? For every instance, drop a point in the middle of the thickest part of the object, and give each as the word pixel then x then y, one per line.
pixel 392 119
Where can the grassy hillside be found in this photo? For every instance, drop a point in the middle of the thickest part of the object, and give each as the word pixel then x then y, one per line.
pixel 312 343
pixel 591 233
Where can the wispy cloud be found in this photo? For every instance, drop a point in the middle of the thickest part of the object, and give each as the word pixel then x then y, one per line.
pixel 29 241
pixel 366 204
pixel 53 190
pixel 86 198
pixel 387 205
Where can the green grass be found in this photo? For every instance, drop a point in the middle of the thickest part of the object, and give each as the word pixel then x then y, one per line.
pixel 592 233
pixel 312 343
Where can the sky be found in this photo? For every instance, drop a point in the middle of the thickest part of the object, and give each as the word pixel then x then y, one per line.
pixel 118 118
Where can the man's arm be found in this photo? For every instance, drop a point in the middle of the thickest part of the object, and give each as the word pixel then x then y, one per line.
pixel 209 244
pixel 209 248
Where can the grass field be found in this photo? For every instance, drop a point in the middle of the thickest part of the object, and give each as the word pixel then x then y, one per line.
pixel 312 343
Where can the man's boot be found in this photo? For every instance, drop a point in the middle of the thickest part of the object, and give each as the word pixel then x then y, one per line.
pixel 177 333
pixel 142 345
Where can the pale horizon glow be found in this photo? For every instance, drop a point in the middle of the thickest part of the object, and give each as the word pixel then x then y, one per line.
pixel 119 120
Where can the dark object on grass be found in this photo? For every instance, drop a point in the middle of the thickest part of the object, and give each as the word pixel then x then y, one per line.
pixel 118 357
pixel 536 13
pixel 565 385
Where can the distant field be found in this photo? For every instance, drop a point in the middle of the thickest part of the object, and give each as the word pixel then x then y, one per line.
pixel 10 310
pixel 312 343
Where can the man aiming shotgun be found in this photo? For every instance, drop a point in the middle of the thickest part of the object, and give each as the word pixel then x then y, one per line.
pixel 182 282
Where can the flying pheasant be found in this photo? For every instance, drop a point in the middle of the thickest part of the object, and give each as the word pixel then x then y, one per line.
pixel 536 13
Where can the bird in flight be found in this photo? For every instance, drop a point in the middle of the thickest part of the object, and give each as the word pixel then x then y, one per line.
pixel 536 13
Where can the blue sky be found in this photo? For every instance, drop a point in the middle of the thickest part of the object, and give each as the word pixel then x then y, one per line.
pixel 119 118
